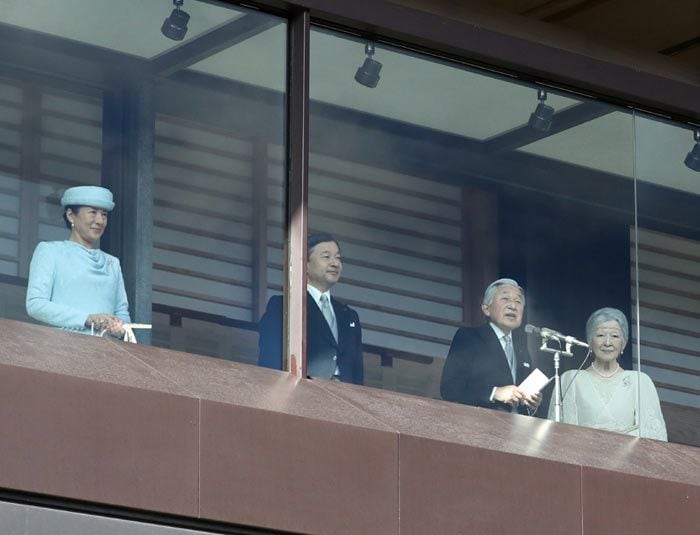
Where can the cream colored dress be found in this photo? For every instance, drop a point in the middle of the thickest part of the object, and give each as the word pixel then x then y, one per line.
pixel 611 404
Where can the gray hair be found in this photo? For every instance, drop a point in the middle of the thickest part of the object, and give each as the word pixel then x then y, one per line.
pixel 607 314
pixel 491 290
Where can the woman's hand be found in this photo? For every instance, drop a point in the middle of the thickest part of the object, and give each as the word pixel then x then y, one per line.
pixel 106 322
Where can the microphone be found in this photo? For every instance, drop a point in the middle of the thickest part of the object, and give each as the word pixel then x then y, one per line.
pixel 544 332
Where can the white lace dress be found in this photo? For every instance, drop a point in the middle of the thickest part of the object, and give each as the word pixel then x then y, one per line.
pixel 612 404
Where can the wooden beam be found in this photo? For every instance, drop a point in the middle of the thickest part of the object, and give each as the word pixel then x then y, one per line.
pixel 561 121
pixel 211 42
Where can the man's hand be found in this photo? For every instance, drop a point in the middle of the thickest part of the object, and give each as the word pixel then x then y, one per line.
pixel 532 401
pixel 511 394
pixel 514 396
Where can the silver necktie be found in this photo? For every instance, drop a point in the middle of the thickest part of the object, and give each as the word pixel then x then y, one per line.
pixel 510 355
pixel 328 314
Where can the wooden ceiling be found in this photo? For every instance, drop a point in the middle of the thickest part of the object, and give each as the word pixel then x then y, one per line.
pixel 670 28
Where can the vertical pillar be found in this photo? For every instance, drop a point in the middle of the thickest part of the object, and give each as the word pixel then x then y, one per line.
pixel 259 225
pixel 297 193
pixel 480 249
pixel 128 145
pixel 29 177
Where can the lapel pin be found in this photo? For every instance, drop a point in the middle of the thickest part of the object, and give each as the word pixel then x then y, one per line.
pixel 526 364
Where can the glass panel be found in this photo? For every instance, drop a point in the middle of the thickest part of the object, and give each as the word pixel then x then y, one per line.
pixel 668 321
pixel 437 182
pixel 219 186
pixel 137 20
pixel 115 92
pixel 50 138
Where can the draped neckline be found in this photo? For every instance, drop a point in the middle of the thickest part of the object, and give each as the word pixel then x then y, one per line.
pixel 94 258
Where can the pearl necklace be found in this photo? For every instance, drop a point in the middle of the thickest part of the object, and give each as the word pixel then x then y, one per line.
pixel 604 376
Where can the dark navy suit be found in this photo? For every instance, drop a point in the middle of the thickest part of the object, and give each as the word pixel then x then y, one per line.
pixel 320 342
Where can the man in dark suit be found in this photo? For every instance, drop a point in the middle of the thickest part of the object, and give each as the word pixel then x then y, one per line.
pixel 486 363
pixel 333 331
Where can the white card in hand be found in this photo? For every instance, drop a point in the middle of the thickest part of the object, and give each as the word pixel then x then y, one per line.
pixel 534 382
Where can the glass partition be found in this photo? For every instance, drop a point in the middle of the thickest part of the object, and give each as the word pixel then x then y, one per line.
pixel 668 300
pixel 436 179
pixel 220 186
pixel 428 181
pixel 50 137
pixel 185 127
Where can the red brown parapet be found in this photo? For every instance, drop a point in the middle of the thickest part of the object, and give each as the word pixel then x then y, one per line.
pixel 153 429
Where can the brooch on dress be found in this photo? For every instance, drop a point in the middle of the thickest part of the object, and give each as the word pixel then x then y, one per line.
pixel 626 381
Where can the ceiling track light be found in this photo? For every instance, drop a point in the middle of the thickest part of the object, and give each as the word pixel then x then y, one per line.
pixel 541 118
pixel 368 73
pixel 175 26
pixel 692 160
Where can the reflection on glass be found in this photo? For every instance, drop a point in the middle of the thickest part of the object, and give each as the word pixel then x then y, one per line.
pixel 436 185
pixel 667 324
pixel 97 94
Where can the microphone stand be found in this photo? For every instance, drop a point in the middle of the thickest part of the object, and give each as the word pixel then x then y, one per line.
pixel 557 352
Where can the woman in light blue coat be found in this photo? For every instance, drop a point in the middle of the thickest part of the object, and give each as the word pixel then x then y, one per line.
pixel 72 284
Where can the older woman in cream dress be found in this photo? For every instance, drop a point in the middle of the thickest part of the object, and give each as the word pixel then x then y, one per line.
pixel 604 396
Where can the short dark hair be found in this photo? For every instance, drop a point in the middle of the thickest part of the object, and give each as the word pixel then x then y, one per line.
pixel 314 239
pixel 73 208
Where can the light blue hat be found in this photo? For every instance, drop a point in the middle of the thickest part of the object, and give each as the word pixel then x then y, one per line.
pixel 88 196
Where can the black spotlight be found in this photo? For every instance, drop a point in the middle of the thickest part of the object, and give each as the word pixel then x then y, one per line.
pixel 175 26
pixel 368 73
pixel 541 118
pixel 692 160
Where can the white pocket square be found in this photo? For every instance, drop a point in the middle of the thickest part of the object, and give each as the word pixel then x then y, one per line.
pixel 352 324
